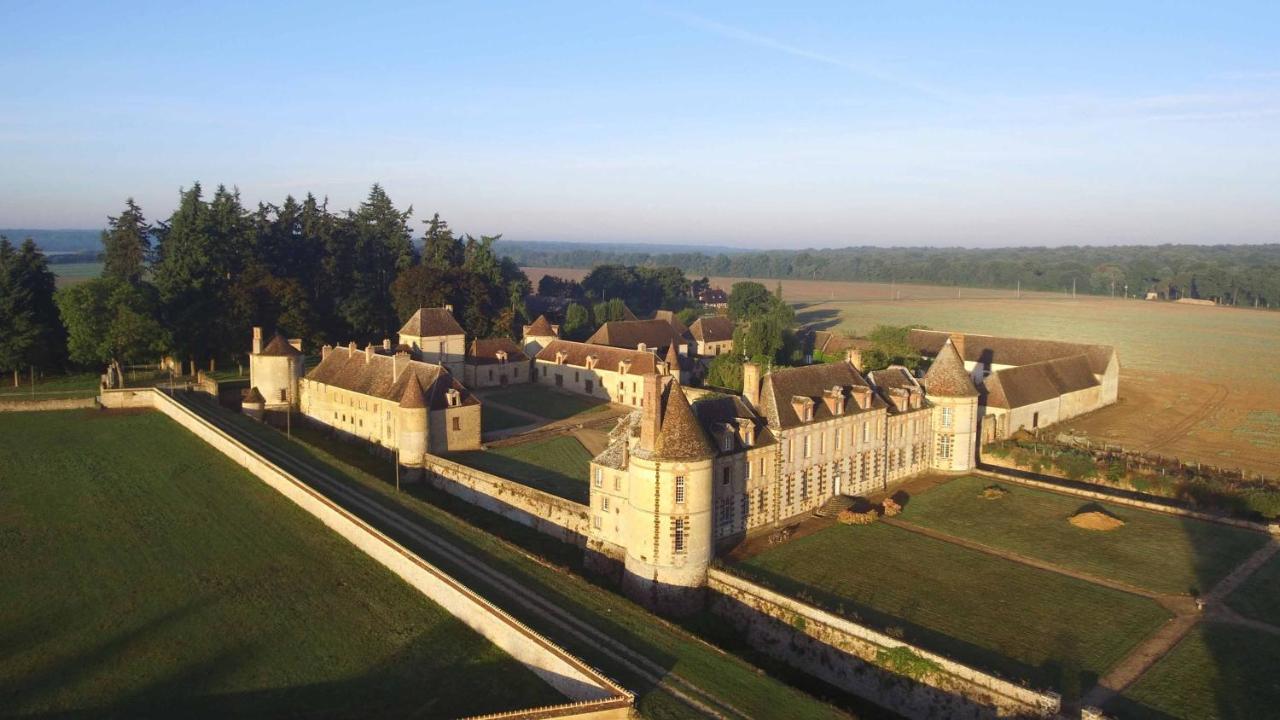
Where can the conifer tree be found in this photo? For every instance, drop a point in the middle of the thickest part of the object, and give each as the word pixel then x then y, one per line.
pixel 126 244
pixel 31 334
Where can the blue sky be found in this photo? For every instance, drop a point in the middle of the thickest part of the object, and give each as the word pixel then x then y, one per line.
pixel 781 125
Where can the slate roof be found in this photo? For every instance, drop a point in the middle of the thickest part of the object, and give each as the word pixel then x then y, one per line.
pixel 252 396
pixel 642 363
pixel 485 351
pixel 811 381
pixel 432 322
pixel 412 396
pixel 715 410
pixel 894 376
pixel 681 436
pixel 280 347
pixel 990 349
pixel 353 371
pixel 947 377
pixel 717 328
pixel 540 327
pixel 655 334
pixel 1028 384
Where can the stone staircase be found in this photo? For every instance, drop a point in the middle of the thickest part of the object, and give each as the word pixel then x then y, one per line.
pixel 833 506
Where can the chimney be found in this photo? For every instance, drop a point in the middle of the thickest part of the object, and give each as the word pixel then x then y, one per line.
pixel 351 347
pixel 257 340
pixel 751 384
pixel 399 361
pixel 854 357
pixel 368 353
pixel 651 417
pixel 386 343
pixel 325 350
pixel 957 340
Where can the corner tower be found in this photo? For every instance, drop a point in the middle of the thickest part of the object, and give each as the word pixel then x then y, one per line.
pixel 275 370
pixel 411 426
pixel 954 398
pixel 669 533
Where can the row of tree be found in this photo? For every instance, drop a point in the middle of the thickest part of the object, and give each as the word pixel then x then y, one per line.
pixel 194 284
pixel 642 289
pixel 1234 274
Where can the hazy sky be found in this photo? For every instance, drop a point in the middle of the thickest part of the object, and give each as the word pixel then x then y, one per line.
pixel 795 124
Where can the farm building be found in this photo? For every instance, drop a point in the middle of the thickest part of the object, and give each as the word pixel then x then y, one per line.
pixel 712 335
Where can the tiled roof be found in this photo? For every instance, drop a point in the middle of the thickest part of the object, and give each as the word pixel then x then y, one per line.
pixel 717 328
pixel 681 437
pixel 832 343
pixel 252 396
pixel 540 328
pixel 715 409
pixel 372 375
pixel 642 363
pixel 412 396
pixel 989 349
pixel 894 376
pixel 280 347
pixel 1028 384
pixel 431 322
pixel 485 351
pixel 655 334
pixel 811 382
pixel 947 377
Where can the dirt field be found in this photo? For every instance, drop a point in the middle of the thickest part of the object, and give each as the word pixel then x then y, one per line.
pixel 1198 383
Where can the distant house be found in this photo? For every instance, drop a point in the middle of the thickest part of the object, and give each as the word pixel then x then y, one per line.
pixel 712 335
pixel 714 297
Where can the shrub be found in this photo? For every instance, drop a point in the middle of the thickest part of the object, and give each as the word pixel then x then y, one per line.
pixel 891 507
pixel 1116 472
pixel 904 661
pixel 999 450
pixel 993 492
pixel 1264 502
pixel 1076 466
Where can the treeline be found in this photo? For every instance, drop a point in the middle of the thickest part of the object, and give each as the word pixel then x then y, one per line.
pixel 1232 274
pixel 194 284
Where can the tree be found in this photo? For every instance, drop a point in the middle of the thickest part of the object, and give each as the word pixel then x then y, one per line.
pixel 725 371
pixel 110 321
pixel 126 244
pixel 577 324
pixel 440 249
pixel 747 300
pixel 382 248
pixel 31 334
pixel 890 346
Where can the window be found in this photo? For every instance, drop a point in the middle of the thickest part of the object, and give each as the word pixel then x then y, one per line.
pixel 727 443
pixel 822 443
pixel 1035 416
pixel 946 417
pixel 725 514
pixel 839 437
pixel 944 446
pixel 866 432
pixel 678 539
pixel 604 503
pixel 490 373
pixel 598 480
pixel 679 488
pixel 749 473
pixel 595 521
pixel 726 475
pixel 808 448
pixel 544 371
pixel 457 424
pixel 617 482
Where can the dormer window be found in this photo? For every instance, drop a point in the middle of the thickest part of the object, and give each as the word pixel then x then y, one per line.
pixel 642 347
pixel 561 356
pixel 591 361
pixel 452 397
pixel 624 366
pixel 803 407
pixel 502 356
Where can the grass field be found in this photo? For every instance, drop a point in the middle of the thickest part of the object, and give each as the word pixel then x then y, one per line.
pixel 532 559
pixel 495 418
pixel 145 574
pixel 1259 596
pixel 1024 623
pixel 1158 552
pixel 51 386
pixel 546 402
pixel 1217 671
pixel 558 465
pixel 72 273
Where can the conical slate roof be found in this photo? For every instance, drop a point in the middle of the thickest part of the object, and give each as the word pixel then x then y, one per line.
pixel 412 396
pixel 947 377
pixel 280 347
pixel 673 358
pixel 540 328
pixel 681 436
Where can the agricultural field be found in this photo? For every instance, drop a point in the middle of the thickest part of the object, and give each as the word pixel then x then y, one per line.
pixel 1024 623
pixel 1153 551
pixel 558 465
pixel 146 574
pixel 1216 671
pixel 72 273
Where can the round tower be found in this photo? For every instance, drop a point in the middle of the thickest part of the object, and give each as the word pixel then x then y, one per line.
pixel 669 543
pixel 252 404
pixel 951 392
pixel 275 370
pixel 411 423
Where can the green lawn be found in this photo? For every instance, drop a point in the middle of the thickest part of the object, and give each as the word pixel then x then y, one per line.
pixel 1026 624
pixel 559 465
pixel 50 386
pixel 147 575
pixel 1217 671
pixel 533 559
pixel 1259 596
pixel 495 418
pixel 1159 552
pixel 545 402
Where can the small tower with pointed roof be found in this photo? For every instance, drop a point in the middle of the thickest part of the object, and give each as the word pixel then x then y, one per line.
pixel 954 398
pixel 539 335
pixel 411 425
pixel 275 370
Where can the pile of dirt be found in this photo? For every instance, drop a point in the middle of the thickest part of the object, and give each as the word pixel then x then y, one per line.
pixel 992 492
pixel 1096 520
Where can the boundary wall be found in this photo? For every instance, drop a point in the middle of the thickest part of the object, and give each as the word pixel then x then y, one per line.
pixel 849 656
pixel 48 404
pixel 593 695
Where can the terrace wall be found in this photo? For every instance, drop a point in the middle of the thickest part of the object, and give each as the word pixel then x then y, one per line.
pixel 593 695
pixel 49 404
pixel 562 519
pixel 845 654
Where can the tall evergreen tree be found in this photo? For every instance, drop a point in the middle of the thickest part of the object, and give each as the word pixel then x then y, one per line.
pixel 126 244
pixel 382 248
pixel 31 333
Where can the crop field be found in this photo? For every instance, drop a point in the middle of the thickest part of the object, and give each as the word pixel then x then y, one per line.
pixel 1024 623
pixel 145 574
pixel 558 465
pixel 1217 671
pixel 1157 552
pixel 72 273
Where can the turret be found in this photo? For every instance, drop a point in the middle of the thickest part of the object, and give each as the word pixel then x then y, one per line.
pixel 411 424
pixel 955 411
pixel 275 369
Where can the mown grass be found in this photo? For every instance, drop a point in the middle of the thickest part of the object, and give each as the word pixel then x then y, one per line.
pixel 1164 553
pixel 495 418
pixel 1216 671
pixel 1052 631
pixel 49 387
pixel 543 565
pixel 1259 596
pixel 545 402
pixel 147 575
pixel 558 465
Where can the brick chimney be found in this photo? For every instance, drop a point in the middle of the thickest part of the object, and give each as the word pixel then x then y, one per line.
pixel 257 340
pixel 751 384
pixel 386 343
pixel 651 416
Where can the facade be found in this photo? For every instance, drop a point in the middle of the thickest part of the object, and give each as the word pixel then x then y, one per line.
pixel 432 335
pixel 681 479
pixel 602 372
pixel 495 361
pixel 712 336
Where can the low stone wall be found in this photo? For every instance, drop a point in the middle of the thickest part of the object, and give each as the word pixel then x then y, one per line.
pixel 50 404
pixel 593 695
pixel 549 514
pixel 851 657
pixel 128 398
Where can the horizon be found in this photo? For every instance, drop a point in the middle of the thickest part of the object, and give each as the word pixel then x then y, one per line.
pixel 827 126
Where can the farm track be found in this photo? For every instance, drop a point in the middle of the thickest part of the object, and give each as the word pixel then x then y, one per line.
pixel 473 570
pixel 1184 426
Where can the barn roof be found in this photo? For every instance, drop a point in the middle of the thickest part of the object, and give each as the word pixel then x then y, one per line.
pixel 1029 384
pixel 432 322
pixel 990 349
pixel 655 334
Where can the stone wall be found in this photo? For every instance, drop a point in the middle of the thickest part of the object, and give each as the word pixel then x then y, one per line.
pixel 119 399
pixel 851 657
pixel 50 404
pixel 549 514
pixel 592 694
